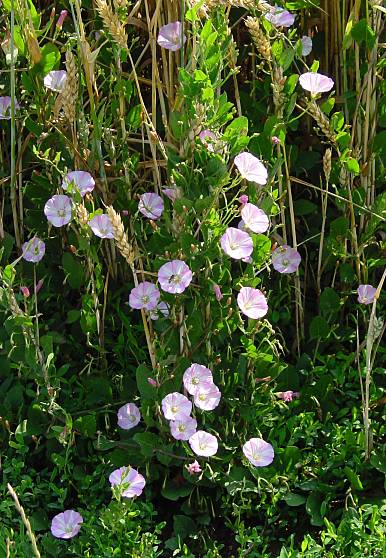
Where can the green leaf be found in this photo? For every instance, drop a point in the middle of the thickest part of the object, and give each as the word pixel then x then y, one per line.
pixel 50 59
pixel 329 301
pixel 86 425
pixel 183 526
pixel 363 33
pixel 74 270
pixel 293 499
pixel 148 442
pixel 173 492
pixel 319 328
pixel 146 390
pixel 355 481
pixel 352 165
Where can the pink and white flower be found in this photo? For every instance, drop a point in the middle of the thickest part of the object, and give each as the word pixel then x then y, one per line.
pixel 102 226
pixel 170 36
pixel 151 205
pixel 252 303
pixel 172 193
pixel 286 259
pixel 258 452
pixel 174 277
pixel 176 406
pixel 145 295
pixel 128 480
pixel 33 250
pixel 288 395
pixel 279 17
pixel 207 396
pixel 195 377
pixel 236 243
pixel 55 80
pixel 316 83
pixel 203 443
pixel 82 180
pixel 5 107
pixel 306 45
pixel 66 525
pixel 184 428
pixel 208 138
pixel 251 168
pixel 58 210
pixel 254 218
pixel 366 294
pixel 128 416
pixel 194 468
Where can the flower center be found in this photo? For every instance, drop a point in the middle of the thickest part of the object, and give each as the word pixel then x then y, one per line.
pixel 174 409
pixel 175 279
pixel 285 261
pixel 202 397
pixel 145 299
pixel 131 418
pixel 182 428
pixel 233 246
pixel 36 250
pixel 202 446
pixel 61 213
pixel 195 381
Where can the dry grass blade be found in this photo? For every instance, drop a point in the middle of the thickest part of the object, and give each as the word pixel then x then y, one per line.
pixel 25 520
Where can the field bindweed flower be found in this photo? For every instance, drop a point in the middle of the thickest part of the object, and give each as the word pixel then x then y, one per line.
pixel 33 250
pixel 55 80
pixel 176 406
pixel 184 428
pixel 258 452
pixel 195 376
pixel 306 45
pixel 236 243
pixel 66 525
pixel 286 259
pixel 203 443
pixel 251 168
pixel 366 294
pixel 287 396
pixel 82 180
pixel 194 468
pixel 25 291
pixel 207 396
pixel 5 107
pixel 172 193
pixel 208 137
pixel 128 416
pixel 316 83
pixel 174 277
pixel 162 309
pixel 128 480
pixel 243 199
pixel 217 292
pixel 279 17
pixel 275 140
pixel 61 18
pixel 146 296
pixel 254 218
pixel 170 36
pixel 151 205
pixel 58 210
pixel 102 226
pixel 252 303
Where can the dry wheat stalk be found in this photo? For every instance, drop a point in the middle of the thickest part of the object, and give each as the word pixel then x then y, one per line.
pixel 321 120
pixel 120 236
pixel 69 94
pixel 25 520
pixel 259 38
pixel 112 22
pixel 82 214
pixel 327 164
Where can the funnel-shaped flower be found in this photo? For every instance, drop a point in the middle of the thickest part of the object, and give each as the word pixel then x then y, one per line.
pixel 236 243
pixel 170 36
pixel 251 168
pixel 316 83
pixel 66 525
pixel 252 303
pixel 258 452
